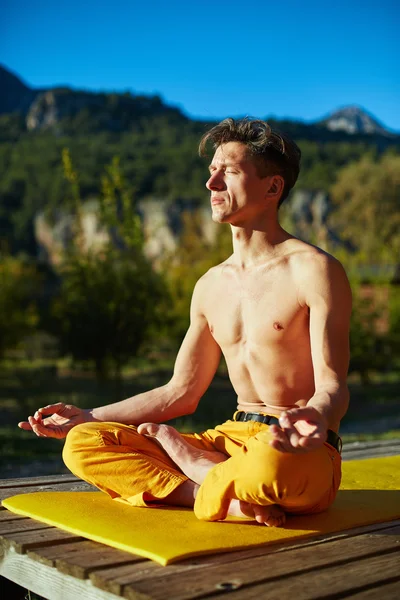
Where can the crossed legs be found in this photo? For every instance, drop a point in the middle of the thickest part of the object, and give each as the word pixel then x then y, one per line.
pixel 196 464
pixel 154 464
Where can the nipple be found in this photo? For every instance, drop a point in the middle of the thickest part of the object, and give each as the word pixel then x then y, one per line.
pixel 278 326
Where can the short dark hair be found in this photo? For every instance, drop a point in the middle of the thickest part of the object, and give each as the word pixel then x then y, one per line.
pixel 274 153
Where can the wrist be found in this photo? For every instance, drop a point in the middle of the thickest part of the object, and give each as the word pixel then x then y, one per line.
pixel 322 409
pixel 89 415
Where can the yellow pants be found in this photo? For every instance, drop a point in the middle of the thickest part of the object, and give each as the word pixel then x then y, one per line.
pixel 126 465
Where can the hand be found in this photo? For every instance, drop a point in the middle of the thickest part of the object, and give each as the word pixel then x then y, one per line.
pixel 63 418
pixel 301 430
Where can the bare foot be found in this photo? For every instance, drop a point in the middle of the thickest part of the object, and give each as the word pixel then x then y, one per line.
pixel 271 515
pixel 194 463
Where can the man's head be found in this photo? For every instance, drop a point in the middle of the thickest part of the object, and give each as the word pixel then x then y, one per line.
pixel 271 152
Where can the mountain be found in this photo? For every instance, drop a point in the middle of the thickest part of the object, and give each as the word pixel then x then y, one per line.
pixel 68 111
pixel 354 120
pixel 155 145
pixel 15 95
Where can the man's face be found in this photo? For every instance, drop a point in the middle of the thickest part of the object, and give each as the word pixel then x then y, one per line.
pixel 238 193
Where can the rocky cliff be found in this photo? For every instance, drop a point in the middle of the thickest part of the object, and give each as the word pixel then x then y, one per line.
pixel 353 120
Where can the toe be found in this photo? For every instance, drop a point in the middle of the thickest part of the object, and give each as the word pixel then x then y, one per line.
pixel 148 429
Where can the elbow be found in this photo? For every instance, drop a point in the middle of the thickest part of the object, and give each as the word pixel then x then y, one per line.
pixel 183 399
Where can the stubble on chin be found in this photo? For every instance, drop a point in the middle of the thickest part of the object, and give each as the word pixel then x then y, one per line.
pixel 217 217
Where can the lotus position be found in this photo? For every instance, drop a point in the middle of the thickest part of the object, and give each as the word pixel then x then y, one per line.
pixel 278 309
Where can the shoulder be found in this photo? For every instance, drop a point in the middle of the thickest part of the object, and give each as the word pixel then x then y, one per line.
pixel 205 285
pixel 318 273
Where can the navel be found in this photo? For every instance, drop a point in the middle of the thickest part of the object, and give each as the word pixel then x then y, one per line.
pixel 278 326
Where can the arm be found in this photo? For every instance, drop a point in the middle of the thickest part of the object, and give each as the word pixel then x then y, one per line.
pixel 329 300
pixel 326 291
pixel 195 367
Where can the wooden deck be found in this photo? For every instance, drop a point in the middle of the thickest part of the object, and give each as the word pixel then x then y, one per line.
pixel 362 563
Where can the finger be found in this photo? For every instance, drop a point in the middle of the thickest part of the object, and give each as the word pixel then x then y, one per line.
pixel 276 445
pixel 312 442
pixel 304 412
pixel 51 409
pixel 25 425
pixel 280 441
pixel 34 426
pixel 277 433
pixel 40 430
pixel 291 432
pixel 307 413
pixel 283 443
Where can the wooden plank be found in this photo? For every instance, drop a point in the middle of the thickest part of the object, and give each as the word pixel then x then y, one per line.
pixel 370 445
pixel 260 569
pixel 43 480
pixel 373 449
pixel 88 562
pixel 79 486
pixel 48 582
pixel 79 558
pixel 21 525
pixel 364 454
pixel 21 542
pixel 6 515
pixel 115 579
pixel 385 591
pixel 48 555
pixel 332 582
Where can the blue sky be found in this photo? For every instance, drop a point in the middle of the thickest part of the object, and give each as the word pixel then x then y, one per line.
pixel 215 58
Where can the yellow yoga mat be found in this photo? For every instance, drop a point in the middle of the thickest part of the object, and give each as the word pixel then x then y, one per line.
pixel 370 493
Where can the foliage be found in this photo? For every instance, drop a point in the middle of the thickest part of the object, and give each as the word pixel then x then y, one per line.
pixel 18 310
pixel 158 152
pixel 105 308
pixel 394 323
pixel 192 258
pixel 109 298
pixel 367 198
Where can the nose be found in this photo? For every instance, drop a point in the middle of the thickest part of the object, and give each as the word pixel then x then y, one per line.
pixel 215 182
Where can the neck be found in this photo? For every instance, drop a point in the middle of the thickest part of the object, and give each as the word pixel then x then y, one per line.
pixel 257 242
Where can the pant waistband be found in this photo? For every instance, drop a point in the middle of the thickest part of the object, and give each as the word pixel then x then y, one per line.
pixel 333 439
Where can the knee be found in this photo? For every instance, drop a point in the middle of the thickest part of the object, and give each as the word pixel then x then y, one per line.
pixel 292 480
pixel 80 443
pixel 273 475
pixel 264 462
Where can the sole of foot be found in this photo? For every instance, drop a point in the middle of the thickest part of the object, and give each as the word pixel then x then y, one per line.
pixel 193 462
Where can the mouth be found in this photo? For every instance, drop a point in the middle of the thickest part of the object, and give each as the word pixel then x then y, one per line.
pixel 216 200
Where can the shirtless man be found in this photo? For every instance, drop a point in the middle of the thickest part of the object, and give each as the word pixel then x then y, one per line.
pixel 279 310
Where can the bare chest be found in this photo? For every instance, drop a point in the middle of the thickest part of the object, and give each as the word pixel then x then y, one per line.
pixel 258 310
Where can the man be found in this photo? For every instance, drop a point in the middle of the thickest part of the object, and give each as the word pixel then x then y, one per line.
pixel 279 311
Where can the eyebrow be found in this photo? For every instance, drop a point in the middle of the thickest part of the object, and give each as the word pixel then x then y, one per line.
pixel 228 164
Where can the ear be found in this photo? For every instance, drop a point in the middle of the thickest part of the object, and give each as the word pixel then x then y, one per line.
pixel 276 186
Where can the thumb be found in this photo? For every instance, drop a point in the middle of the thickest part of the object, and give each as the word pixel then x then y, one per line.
pixel 303 412
pixel 50 409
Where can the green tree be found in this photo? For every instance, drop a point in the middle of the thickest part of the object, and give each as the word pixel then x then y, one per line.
pixel 394 326
pixel 193 257
pixel 366 197
pixel 109 298
pixel 18 310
